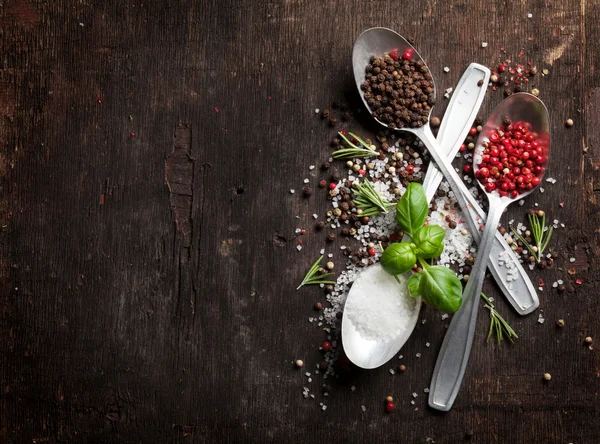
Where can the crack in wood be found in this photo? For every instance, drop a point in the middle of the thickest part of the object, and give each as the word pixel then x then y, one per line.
pixel 179 176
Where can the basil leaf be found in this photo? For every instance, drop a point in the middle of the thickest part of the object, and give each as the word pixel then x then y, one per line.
pixel 413 285
pixel 441 288
pixel 412 209
pixel 398 258
pixel 429 241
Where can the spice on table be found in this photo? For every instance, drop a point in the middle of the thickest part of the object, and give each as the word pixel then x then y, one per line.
pixel 402 368
pixel 560 323
pixel 569 122
pixel 326 346
pixel 588 340
pixel 547 376
pixel 330 265
pixel 390 407
pixel 307 191
pixel 299 363
pixel 331 237
pixel 435 122
pixel 318 306
pixel 389 399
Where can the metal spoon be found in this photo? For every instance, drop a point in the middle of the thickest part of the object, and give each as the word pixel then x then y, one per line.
pixel 461 111
pixel 454 355
pixel 376 41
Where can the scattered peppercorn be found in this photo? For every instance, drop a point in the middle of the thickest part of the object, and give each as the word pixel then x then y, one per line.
pixel 318 306
pixel 326 346
pixel 452 224
pixel 389 399
pixel 547 376
pixel 320 225
pixel 390 407
pixel 402 368
pixel 307 191
pixel 569 122
pixel 435 122
pixel 325 166
pixel 560 322
pixel 331 237
pixel 588 340
pixel 299 363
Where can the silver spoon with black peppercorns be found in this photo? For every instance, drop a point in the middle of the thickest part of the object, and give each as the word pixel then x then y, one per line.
pixel 412 86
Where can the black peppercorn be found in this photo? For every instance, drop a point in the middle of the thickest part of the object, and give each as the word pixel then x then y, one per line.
pixel 320 225
pixel 325 113
pixel 332 121
pixel 325 166
pixel 452 224
pixel 331 237
pixel 307 191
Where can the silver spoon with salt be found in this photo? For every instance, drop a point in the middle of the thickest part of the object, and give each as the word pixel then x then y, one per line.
pixel 368 345
pixel 454 355
pixel 502 262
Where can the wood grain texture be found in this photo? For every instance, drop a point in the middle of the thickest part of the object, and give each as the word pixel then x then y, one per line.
pixel 147 282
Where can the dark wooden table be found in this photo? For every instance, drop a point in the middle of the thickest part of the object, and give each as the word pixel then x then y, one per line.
pixel 147 261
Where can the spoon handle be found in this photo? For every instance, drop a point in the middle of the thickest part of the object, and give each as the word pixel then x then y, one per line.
pixel 453 358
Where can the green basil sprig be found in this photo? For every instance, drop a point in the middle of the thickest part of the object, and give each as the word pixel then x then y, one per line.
pixel 437 285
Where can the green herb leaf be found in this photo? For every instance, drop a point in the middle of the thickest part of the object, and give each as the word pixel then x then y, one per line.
pixel 412 209
pixel 313 277
pixel 440 288
pixel 414 283
pixel 497 323
pixel 429 241
pixel 398 258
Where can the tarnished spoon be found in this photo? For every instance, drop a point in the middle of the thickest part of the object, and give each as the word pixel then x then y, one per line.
pixel 454 355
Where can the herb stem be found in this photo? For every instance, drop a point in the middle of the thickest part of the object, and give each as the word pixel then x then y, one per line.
pixel 312 278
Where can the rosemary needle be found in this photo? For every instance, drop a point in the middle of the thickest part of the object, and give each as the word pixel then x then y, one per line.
pixel 540 234
pixel 370 201
pixel 354 151
pixel 313 277
pixel 498 325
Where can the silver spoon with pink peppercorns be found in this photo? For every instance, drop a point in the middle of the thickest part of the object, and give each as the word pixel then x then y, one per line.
pixel 509 162
pixel 502 262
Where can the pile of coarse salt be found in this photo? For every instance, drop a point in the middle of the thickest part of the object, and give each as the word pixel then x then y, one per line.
pixel 389 318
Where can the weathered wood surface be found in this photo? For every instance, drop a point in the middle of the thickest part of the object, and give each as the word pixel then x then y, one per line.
pixel 146 295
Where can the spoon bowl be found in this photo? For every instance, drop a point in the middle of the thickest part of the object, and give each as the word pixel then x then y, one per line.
pixel 379 41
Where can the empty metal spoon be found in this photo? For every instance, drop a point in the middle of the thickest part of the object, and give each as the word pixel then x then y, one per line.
pixel 377 41
pixel 454 355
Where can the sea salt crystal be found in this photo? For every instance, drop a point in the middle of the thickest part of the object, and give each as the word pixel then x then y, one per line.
pixel 312 167
pixel 299 247
pixel 414 395
pixel 554 284
pixel 324 407
pixel 425 390
pixel 292 191
pixel 541 319
pixel 571 259
pixel 363 408
pixel 560 282
pixel 392 372
pixel 484 44
pixel 529 15
pixel 353 388
pixel 427 344
pixel 418 355
pixel 445 316
pixel 446 69
pixel 317 110
pixel 388 318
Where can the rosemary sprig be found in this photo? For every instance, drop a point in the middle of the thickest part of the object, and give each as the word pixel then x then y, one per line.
pixel 354 151
pixel 313 277
pixel 539 232
pixel 370 201
pixel 498 325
